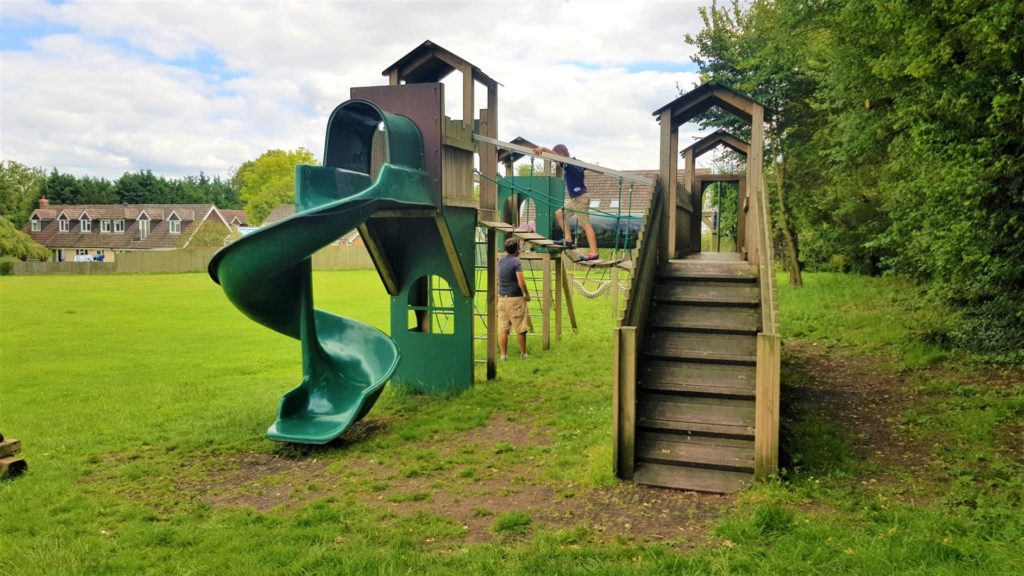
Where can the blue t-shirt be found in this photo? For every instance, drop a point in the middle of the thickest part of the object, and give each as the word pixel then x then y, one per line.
pixel 574 180
pixel 508 282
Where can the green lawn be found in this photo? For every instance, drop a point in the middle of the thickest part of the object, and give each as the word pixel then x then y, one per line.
pixel 142 402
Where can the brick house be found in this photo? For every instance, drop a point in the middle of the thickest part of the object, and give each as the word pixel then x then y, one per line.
pixel 100 231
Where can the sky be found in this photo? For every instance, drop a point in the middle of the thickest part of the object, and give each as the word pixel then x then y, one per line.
pixel 104 87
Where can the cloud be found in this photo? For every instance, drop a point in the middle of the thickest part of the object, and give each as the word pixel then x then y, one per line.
pixel 101 88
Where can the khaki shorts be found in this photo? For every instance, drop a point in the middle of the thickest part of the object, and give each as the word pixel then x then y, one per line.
pixel 513 314
pixel 579 207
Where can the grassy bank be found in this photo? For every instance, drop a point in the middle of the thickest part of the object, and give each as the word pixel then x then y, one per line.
pixel 142 402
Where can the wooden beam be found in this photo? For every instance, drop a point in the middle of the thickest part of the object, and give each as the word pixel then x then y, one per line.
pixel 545 302
pixel 766 411
pixel 624 402
pixel 387 274
pixel 492 305
pixel 562 159
pixel 467 96
pixel 453 256
pixel 558 298
pixel 668 180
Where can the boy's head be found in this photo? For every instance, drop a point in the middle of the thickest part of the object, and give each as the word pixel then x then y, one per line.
pixel 561 150
pixel 511 246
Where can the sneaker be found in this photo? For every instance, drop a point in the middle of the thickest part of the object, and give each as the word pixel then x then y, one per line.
pixel 590 258
pixel 503 358
pixel 524 356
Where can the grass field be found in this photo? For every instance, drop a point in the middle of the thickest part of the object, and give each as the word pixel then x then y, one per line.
pixel 142 402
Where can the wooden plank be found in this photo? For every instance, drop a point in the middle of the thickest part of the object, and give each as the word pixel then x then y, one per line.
pixel 380 260
pixel 9 447
pixel 721 319
pixel 668 180
pixel 558 298
pixel 697 378
pixel 12 466
pixel 702 451
pixel 694 479
pixel 731 293
pixel 696 270
pixel 567 292
pixel 721 416
pixel 766 436
pixel 563 160
pixel 624 401
pixel 702 347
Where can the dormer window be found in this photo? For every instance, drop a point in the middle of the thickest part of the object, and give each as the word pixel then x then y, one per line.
pixel 63 223
pixel 118 226
pixel 175 224
pixel 104 226
pixel 36 225
pixel 143 226
pixel 85 225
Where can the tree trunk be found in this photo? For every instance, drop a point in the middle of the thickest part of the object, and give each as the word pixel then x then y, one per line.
pixel 792 255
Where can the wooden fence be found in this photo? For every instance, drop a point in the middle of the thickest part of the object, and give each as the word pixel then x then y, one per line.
pixel 334 257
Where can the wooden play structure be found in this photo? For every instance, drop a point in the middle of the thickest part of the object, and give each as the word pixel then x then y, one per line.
pixel 697 349
pixel 11 463
pixel 696 397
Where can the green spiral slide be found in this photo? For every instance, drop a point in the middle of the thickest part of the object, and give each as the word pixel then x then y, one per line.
pixel 267 274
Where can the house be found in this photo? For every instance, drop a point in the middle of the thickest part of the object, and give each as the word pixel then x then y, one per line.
pixel 282 211
pixel 99 231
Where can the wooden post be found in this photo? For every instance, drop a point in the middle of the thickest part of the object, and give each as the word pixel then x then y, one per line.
pixel 624 402
pixel 567 290
pixel 545 302
pixel 558 299
pixel 614 291
pixel 766 398
pixel 668 178
pixel 492 304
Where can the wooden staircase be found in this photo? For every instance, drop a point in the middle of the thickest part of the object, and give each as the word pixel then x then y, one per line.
pixel 695 394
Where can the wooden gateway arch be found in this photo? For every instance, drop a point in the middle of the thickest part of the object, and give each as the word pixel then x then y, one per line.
pixel 696 395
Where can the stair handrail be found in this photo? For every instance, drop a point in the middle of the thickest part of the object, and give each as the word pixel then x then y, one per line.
pixel 630 331
pixel 766 263
pixel 767 379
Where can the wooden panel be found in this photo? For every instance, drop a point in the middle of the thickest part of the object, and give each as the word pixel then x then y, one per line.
pixel 695 479
pixel 697 378
pixel 766 440
pixel 701 347
pixel 699 270
pixel 696 414
pixel 702 451
pixel 12 466
pixel 492 307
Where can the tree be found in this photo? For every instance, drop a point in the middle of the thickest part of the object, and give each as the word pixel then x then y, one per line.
pixel 16 244
pixel 20 188
pixel 143 188
pixel 269 180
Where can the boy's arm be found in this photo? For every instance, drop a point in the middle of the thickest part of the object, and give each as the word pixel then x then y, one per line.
pixel 522 285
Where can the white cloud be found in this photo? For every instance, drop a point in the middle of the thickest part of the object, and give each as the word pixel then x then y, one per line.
pixel 101 88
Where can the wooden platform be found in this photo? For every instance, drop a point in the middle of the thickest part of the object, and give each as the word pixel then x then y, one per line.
pixel 695 381
pixel 10 463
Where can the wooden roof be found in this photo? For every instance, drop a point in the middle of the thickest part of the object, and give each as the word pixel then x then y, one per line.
pixel 700 99
pixel 709 142
pixel 505 155
pixel 429 62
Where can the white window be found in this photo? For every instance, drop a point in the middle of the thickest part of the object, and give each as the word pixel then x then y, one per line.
pixel 595 203
pixel 86 225
pixel 175 223
pixel 143 227
pixel 65 225
pixel 104 226
pixel 118 226
pixel 81 252
pixel 614 204
pixel 36 225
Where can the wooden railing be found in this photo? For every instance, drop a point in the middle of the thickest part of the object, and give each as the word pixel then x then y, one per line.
pixel 630 332
pixel 766 419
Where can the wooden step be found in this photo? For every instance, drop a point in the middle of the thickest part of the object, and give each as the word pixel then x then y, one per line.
pixel 11 466
pixel 708 271
pixel 693 346
pixel 721 293
pixel 9 447
pixel 697 451
pixel 696 378
pixel 695 479
pixel 706 416
pixel 722 319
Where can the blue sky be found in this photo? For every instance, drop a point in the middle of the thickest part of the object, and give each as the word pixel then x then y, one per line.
pixel 181 87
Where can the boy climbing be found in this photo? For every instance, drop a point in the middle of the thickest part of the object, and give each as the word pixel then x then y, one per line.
pixel 579 202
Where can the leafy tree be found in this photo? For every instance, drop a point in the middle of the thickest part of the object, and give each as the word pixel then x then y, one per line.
pixel 20 188
pixel 16 244
pixel 61 188
pixel 143 188
pixel 269 180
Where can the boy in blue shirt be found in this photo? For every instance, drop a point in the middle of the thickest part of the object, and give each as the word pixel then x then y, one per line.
pixel 513 295
pixel 578 202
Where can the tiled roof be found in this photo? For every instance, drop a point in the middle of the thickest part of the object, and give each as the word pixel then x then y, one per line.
pixel 282 211
pixel 159 237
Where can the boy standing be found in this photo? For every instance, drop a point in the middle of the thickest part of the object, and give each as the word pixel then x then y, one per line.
pixel 579 202
pixel 512 298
